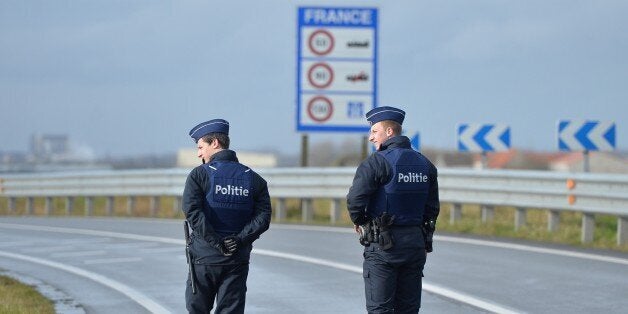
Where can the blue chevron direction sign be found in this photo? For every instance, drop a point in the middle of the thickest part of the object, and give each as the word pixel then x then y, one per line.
pixel 586 135
pixel 415 141
pixel 475 137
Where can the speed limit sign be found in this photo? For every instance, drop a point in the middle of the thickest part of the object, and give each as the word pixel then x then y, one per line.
pixel 321 42
pixel 320 108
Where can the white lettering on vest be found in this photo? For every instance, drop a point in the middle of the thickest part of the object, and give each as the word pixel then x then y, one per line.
pixel 412 177
pixel 231 190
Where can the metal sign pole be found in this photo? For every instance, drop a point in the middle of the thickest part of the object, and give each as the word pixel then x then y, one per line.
pixel 304 149
pixel 585 161
pixel 365 147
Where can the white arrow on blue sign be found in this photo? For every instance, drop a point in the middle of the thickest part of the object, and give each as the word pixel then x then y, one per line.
pixel 474 137
pixel 415 142
pixel 581 135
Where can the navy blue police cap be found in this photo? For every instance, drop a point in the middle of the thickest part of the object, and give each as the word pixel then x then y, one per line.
pixel 385 113
pixel 211 126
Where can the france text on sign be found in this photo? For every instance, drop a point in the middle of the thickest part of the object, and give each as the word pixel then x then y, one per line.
pixel 581 135
pixel 483 137
pixel 336 68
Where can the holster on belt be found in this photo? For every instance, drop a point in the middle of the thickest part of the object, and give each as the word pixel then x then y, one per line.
pixel 385 238
pixel 378 231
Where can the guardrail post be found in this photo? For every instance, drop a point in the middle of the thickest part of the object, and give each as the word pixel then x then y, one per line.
pixel 588 226
pixel 455 213
pixel 307 212
pixel 69 205
pixel 29 205
pixel 520 218
pixel 334 211
pixel 130 205
pixel 280 209
pixel 11 205
pixel 89 205
pixel 553 219
pixel 177 204
pixel 48 206
pixel 622 230
pixel 488 213
pixel 109 205
pixel 154 205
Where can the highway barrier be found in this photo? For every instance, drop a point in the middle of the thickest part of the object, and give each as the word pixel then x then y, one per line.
pixel 589 194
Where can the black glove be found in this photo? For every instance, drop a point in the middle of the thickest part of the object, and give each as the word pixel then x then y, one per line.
pixel 231 244
pixel 220 247
pixel 366 234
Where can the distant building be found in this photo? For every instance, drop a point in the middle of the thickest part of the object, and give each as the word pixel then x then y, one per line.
pixel 598 162
pixel 49 146
pixel 187 158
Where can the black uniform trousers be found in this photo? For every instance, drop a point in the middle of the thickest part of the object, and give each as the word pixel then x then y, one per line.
pixel 225 283
pixel 393 278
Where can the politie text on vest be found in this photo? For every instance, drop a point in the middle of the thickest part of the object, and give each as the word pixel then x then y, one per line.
pixel 412 177
pixel 231 190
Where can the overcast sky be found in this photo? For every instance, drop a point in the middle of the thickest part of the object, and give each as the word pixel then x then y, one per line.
pixel 132 77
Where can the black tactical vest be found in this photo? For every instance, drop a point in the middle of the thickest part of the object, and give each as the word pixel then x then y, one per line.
pixel 230 199
pixel 405 194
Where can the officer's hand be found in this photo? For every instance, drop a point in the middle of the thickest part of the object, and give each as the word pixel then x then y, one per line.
pixel 428 246
pixel 232 243
pixel 222 249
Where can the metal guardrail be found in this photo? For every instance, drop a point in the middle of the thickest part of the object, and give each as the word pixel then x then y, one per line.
pixel 555 192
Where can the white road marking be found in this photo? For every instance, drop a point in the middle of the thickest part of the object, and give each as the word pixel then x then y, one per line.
pixel 163 250
pixel 45 249
pixel 448 293
pixel 503 245
pixel 451 294
pixel 112 260
pixel 78 253
pixel 133 294
pixel 529 248
pixel 128 245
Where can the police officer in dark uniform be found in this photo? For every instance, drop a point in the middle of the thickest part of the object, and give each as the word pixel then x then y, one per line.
pixel 228 207
pixel 393 203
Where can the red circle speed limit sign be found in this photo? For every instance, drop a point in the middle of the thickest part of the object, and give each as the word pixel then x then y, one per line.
pixel 321 42
pixel 320 108
pixel 320 75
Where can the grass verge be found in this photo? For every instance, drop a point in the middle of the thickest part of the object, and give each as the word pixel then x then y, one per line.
pixel 16 297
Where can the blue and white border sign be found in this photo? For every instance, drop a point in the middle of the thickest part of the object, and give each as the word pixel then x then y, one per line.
pixel 336 68
pixel 477 137
pixel 586 135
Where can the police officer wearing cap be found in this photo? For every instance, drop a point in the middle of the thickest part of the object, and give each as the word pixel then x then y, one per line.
pixel 228 207
pixel 393 203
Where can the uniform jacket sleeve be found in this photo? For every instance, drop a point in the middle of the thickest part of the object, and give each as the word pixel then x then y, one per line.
pixel 261 214
pixel 194 203
pixel 372 173
pixel 432 206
